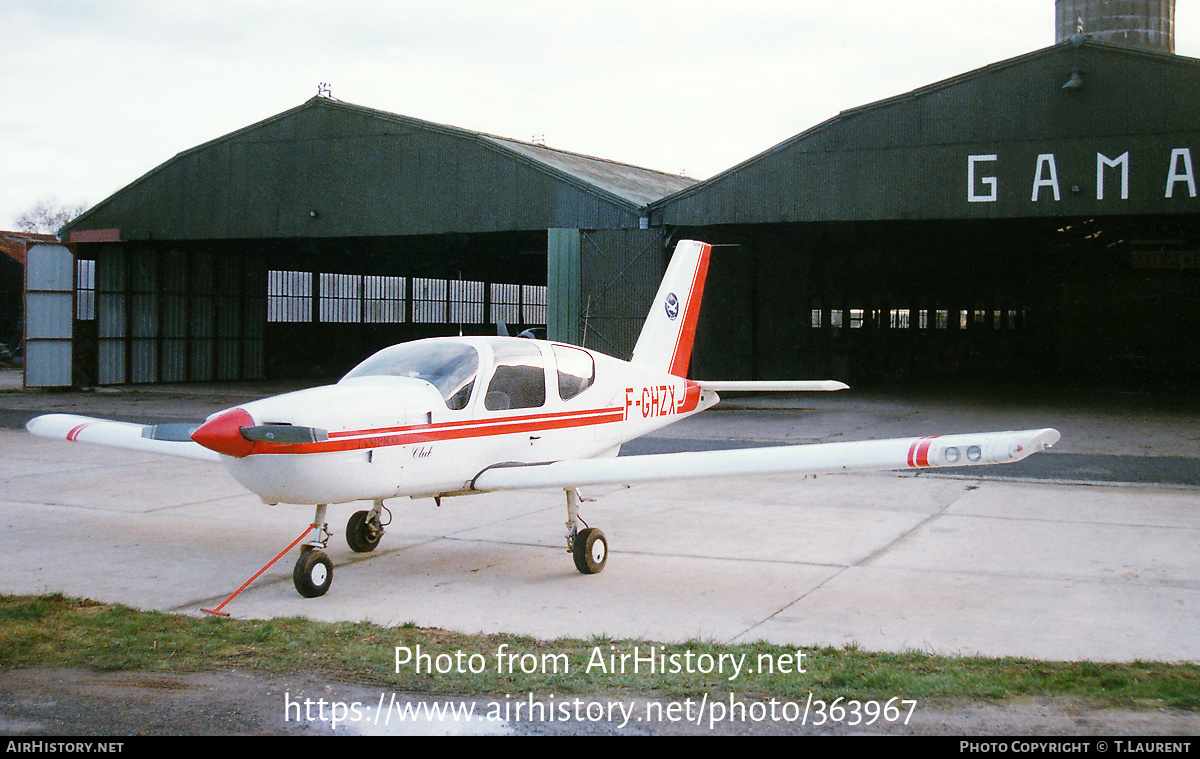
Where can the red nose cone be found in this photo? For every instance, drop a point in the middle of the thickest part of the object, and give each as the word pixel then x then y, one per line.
pixel 223 433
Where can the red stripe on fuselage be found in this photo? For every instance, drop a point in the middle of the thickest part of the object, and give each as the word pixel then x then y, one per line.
pixel 381 437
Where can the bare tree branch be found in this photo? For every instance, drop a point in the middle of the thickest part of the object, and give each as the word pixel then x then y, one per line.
pixel 48 216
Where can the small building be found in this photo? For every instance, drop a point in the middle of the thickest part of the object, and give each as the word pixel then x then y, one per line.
pixel 13 246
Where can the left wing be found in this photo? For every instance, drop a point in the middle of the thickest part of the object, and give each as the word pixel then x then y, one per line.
pixel 169 439
pixel 820 458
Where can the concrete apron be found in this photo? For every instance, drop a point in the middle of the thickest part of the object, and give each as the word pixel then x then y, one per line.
pixel 889 562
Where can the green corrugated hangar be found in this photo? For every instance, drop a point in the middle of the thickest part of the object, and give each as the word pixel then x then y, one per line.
pixel 301 244
pixel 1036 217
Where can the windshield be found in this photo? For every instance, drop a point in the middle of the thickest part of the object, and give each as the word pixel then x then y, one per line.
pixel 448 365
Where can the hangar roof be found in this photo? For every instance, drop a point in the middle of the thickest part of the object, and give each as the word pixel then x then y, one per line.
pixel 328 168
pixel 637 185
pixel 1007 140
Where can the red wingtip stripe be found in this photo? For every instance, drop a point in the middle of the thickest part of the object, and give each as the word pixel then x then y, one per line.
pixel 918 452
pixel 73 435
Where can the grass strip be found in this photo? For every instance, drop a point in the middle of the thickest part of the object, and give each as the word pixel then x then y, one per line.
pixel 58 631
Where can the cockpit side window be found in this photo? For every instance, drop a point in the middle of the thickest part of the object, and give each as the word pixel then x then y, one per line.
pixel 576 371
pixel 449 366
pixel 519 380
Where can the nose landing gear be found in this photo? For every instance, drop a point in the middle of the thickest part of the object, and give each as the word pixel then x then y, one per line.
pixel 313 573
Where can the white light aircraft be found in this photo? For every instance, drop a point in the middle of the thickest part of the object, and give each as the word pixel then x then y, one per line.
pixel 451 416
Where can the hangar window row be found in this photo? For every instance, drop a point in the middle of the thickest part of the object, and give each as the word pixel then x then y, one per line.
pixel 903 318
pixel 379 299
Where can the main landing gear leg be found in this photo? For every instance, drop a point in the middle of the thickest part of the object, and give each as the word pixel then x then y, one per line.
pixel 588 546
pixel 313 572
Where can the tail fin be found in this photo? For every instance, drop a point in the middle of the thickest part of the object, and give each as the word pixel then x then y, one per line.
pixel 666 339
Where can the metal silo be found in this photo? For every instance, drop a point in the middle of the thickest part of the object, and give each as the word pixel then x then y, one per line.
pixel 1141 23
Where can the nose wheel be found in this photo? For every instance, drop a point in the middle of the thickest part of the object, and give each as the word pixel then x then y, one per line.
pixel 313 573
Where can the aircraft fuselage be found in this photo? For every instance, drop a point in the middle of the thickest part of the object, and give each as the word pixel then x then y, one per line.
pixel 385 435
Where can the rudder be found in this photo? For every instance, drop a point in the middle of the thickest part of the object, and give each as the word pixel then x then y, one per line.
pixel 670 328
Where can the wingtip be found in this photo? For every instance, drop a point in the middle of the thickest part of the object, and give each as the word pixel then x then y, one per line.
pixel 1048 437
pixel 1033 441
pixel 56 425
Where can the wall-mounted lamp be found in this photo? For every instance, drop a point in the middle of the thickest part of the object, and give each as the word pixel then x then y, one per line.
pixel 1075 82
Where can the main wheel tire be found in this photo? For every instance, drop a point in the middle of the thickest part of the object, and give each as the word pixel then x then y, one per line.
pixel 591 551
pixel 361 535
pixel 313 573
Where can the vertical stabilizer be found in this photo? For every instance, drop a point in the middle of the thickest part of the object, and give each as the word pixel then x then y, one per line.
pixel 666 340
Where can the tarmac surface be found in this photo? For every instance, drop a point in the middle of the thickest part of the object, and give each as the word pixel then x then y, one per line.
pixel 1089 555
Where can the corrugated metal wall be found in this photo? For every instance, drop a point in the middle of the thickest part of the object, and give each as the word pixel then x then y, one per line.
pixel 111 324
pixel 1007 141
pixel 49 316
pixel 344 193
pixel 997 223
pixel 602 283
pixel 171 316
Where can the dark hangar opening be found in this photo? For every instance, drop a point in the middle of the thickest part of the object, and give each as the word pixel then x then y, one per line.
pixel 1106 301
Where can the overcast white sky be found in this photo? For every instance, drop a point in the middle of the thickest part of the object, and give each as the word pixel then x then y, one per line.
pixel 95 94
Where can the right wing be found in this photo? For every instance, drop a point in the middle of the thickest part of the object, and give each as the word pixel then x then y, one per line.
pixel 168 439
pixel 820 458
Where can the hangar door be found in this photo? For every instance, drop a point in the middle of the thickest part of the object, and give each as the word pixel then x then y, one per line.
pixel 50 314
pixel 171 316
pixel 602 283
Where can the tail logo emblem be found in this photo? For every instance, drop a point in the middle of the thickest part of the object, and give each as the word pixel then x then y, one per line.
pixel 672 306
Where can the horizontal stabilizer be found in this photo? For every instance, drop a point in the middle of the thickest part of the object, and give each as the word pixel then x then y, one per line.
pixel 784 386
pixel 821 458
pixel 168 439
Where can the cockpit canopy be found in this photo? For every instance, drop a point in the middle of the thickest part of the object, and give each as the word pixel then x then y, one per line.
pixel 448 365
pixel 452 366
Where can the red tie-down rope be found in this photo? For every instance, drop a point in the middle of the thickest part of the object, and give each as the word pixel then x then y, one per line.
pixel 310 528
